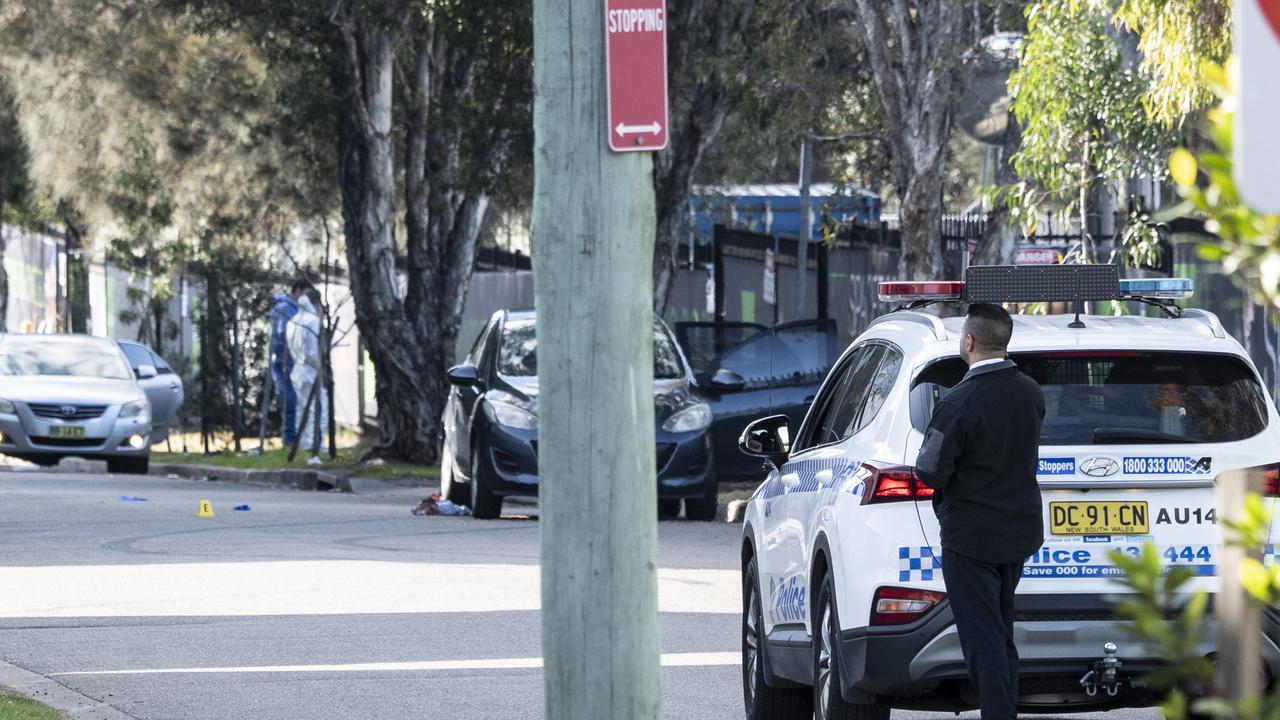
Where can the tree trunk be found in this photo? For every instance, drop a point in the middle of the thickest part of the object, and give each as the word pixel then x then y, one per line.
pixel 702 99
pixel 408 425
pixel 921 222
pixel 593 234
pixel 912 49
pixel 4 275
pixel 999 243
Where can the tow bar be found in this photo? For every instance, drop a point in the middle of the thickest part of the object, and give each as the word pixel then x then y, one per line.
pixel 1104 673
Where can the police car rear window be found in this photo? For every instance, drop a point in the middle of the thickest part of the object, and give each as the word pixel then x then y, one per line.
pixel 1114 398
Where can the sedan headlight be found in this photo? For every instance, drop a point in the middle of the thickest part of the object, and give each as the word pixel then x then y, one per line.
pixel 138 409
pixel 693 418
pixel 6 407
pixel 509 415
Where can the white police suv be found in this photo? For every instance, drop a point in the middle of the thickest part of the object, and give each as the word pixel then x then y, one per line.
pixel 844 608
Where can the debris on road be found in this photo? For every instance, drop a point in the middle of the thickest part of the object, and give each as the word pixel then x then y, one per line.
pixel 435 504
pixel 241 508
pixel 127 498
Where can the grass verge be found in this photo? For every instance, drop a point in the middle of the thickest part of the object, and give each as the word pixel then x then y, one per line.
pixel 16 707
pixel 277 459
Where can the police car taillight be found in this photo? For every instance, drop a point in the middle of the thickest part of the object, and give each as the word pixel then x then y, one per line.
pixel 893 483
pixel 1157 288
pixel 1270 479
pixel 911 291
pixel 898 606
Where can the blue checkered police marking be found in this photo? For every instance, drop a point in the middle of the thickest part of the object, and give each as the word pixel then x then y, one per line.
pixel 918 563
pixel 817 473
pixel 812 476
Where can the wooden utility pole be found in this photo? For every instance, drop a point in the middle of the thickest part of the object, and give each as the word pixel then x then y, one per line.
pixel 1238 620
pixel 593 235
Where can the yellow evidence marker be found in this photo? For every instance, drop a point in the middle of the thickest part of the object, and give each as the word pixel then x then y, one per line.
pixel 205 510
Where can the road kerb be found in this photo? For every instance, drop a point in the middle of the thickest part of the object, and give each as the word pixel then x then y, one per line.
pixel 70 703
pixel 301 479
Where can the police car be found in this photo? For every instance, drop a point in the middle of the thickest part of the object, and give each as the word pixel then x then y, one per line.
pixel 845 614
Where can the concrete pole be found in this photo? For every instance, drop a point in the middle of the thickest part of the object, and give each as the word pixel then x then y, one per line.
pixel 806 228
pixel 593 236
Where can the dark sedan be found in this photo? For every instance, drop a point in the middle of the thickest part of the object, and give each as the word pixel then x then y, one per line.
pixel 748 371
pixel 491 423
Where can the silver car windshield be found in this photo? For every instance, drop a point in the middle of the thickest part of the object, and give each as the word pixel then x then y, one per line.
pixel 74 357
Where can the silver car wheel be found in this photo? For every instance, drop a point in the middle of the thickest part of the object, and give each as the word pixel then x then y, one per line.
pixel 751 642
pixel 822 674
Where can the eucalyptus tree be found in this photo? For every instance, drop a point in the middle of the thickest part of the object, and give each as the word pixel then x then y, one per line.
pixel 913 49
pixel 427 106
pixel 1105 90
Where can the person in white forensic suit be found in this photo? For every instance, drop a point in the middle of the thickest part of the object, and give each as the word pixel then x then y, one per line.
pixel 303 337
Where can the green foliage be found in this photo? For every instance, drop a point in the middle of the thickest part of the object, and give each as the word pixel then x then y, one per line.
pixel 1180 42
pixel 14 157
pixel 1081 107
pixel 1166 619
pixel 16 707
pixel 1170 621
pixel 1248 242
pixel 798 74
pixel 142 204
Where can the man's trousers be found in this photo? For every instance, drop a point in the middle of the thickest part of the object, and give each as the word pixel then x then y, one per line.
pixel 981 597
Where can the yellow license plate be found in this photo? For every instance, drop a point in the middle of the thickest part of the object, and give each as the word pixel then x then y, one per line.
pixel 70 432
pixel 1099 517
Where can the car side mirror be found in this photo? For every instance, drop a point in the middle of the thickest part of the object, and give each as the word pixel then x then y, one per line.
pixel 727 381
pixel 464 376
pixel 768 437
pixel 145 372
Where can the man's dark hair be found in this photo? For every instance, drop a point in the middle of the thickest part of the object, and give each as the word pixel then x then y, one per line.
pixel 300 285
pixel 990 326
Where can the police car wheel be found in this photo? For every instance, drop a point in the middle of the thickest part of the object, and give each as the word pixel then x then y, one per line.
pixel 764 702
pixel 453 491
pixel 828 701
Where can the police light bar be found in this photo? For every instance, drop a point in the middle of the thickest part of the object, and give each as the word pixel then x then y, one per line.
pixel 1157 288
pixel 912 291
pixel 1041 283
pixel 904 291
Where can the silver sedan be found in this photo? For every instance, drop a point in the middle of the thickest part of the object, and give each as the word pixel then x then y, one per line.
pixel 72 395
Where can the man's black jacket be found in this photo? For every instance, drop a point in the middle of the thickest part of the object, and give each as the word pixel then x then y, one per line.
pixel 979 455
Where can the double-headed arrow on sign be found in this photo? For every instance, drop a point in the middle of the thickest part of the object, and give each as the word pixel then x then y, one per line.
pixel 653 128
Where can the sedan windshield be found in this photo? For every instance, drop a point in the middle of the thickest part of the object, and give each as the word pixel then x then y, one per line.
pixel 518 352
pixel 62 356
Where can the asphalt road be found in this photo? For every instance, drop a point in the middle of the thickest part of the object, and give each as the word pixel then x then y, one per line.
pixel 315 606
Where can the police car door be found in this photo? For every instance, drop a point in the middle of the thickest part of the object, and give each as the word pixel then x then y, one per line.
pixel 817 463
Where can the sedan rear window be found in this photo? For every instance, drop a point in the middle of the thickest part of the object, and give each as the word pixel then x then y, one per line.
pixel 1114 398
pixel 518 352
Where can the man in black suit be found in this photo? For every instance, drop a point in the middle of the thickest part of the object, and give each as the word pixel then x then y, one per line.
pixel 979 455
